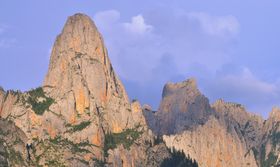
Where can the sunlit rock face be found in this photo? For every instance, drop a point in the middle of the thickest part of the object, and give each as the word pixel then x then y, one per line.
pixel 82 116
pixel 80 72
pixel 212 145
pixel 81 102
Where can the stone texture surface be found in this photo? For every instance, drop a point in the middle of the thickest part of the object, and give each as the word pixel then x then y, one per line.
pixel 182 107
pixel 212 146
pixel 12 145
pixel 247 126
pixel 223 134
pixel 80 71
pixel 269 151
pixel 81 101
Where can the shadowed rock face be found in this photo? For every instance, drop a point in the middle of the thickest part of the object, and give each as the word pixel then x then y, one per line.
pixel 82 117
pixel 223 134
pixel 269 151
pixel 12 145
pixel 182 107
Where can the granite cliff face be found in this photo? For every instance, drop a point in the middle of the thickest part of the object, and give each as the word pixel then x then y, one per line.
pixel 223 134
pixel 82 116
pixel 269 151
pixel 182 107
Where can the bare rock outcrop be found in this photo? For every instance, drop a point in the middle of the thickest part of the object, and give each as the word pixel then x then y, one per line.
pixel 80 71
pixel 212 146
pixel 246 125
pixel 81 112
pixel 182 107
pixel 226 131
pixel 269 151
pixel 82 116
pixel 12 145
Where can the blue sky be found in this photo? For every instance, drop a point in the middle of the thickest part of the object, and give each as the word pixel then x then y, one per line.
pixel 231 47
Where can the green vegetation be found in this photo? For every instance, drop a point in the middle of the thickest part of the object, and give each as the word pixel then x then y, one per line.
pixel 79 127
pixel 54 163
pixel 39 101
pixel 256 152
pixel 158 140
pixel 178 159
pixel 53 152
pixel 270 161
pixel 75 147
pixel 10 154
pixel 271 158
pixel 15 157
pixel 126 138
pixel 99 163
pixel 275 138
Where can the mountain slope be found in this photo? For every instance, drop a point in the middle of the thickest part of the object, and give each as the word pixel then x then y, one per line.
pixel 81 116
pixel 223 134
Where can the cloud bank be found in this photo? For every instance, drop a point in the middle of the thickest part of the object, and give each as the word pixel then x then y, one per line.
pixel 153 48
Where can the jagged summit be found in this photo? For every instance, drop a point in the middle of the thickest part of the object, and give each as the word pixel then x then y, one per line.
pixel 170 87
pixel 80 71
pixel 2 89
pixel 80 101
pixel 274 114
pixel 179 96
pixel 79 63
pixel 229 104
pixel 182 107
pixel 83 117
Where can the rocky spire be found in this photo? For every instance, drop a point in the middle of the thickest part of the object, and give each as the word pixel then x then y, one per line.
pixel 275 114
pixel 80 70
pixel 182 107
pixel 79 62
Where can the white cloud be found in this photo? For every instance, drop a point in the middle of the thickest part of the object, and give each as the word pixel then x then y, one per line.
pixel 152 48
pixel 241 86
pixel 137 45
pixel 216 25
pixel 248 83
pixel 138 25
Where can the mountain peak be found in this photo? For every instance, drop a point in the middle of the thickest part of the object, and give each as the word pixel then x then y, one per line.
pixel 182 107
pixel 275 113
pixel 221 106
pixel 80 22
pixel 188 85
pixel 80 72
pixel 79 16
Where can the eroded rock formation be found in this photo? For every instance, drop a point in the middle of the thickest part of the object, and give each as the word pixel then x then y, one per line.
pixel 82 116
pixel 223 134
